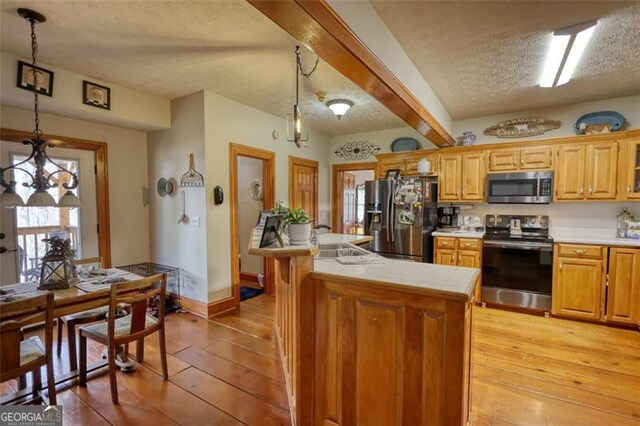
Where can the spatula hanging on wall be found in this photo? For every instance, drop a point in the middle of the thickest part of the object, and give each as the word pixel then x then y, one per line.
pixel 192 178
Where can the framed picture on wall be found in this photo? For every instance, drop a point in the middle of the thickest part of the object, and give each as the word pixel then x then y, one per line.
pixel 96 95
pixel 43 77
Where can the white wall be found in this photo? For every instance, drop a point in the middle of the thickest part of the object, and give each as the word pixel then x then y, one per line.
pixel 129 108
pixel 249 169
pixel 382 138
pixel 229 121
pixel 629 107
pixel 363 175
pixel 178 244
pixel 128 177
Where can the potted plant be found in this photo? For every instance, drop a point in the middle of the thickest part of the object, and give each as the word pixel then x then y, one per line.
pixel 298 223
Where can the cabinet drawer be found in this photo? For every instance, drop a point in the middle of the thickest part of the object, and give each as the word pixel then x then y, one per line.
pixel 469 244
pixel 445 242
pixel 577 250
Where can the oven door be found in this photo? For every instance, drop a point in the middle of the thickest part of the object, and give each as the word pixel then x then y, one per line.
pixel 516 188
pixel 517 274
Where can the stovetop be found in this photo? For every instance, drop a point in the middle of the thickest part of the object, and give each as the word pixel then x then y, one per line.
pixel 517 228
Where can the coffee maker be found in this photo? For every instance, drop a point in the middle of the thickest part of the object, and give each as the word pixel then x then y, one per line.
pixel 449 218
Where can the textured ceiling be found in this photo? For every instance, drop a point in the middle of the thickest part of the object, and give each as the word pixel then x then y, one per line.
pixel 484 57
pixel 174 48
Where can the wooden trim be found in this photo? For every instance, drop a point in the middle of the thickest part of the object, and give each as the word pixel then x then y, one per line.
pixel 248 279
pixel 102 179
pixel 336 184
pixel 298 161
pixel 196 307
pixel 316 25
pixel 221 306
pixel 268 200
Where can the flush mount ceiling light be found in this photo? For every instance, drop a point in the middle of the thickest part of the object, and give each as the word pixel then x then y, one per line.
pixel 339 106
pixel 566 49
pixel 41 180
pixel 297 130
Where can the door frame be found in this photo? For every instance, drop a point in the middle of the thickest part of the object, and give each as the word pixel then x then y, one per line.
pixel 337 171
pixel 268 199
pixel 299 161
pixel 102 179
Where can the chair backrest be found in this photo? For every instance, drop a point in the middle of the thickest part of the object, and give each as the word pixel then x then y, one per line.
pixel 137 294
pixel 88 260
pixel 16 315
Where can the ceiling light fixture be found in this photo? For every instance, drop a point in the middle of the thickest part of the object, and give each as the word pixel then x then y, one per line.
pixel 41 180
pixel 297 130
pixel 567 47
pixel 339 106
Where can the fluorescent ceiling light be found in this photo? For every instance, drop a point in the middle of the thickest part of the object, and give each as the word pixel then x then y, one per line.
pixel 565 52
pixel 339 106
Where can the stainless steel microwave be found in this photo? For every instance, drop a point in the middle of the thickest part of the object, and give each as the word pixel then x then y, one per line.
pixel 520 188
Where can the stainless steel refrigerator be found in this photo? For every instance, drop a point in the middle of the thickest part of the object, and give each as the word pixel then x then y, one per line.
pixel 401 216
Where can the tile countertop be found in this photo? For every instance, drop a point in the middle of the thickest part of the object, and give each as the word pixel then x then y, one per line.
pixel 459 234
pixel 343 238
pixel 428 276
pixel 591 236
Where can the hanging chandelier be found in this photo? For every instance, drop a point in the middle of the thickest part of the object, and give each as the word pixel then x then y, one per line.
pixel 297 130
pixel 41 179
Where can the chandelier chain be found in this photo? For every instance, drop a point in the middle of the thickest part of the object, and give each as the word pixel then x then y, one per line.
pixel 34 57
pixel 299 64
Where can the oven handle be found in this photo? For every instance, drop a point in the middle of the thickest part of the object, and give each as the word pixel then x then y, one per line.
pixel 520 246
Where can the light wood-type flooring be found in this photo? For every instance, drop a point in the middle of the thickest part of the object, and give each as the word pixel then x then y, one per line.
pixel 527 371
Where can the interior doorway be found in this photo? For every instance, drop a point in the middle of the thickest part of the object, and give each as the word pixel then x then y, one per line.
pixel 303 185
pixel 252 177
pixel 347 201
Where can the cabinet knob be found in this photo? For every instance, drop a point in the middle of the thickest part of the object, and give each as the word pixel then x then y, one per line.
pixel 514 161
pixel 560 267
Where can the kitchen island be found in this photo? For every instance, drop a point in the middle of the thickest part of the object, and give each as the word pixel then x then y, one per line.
pixel 381 343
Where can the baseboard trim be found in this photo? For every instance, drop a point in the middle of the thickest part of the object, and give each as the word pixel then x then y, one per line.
pixel 221 306
pixel 203 309
pixel 249 279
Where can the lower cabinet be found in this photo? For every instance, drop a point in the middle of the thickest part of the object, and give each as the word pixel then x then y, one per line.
pixel 465 252
pixel 596 283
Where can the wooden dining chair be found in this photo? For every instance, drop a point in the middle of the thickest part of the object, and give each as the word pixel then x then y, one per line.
pixel 79 318
pixel 18 356
pixel 134 326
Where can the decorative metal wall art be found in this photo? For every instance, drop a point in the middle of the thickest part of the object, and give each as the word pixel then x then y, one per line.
pixel 357 150
pixel 522 127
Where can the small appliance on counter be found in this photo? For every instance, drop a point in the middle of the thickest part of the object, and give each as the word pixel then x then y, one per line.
pixel 517 262
pixel 449 219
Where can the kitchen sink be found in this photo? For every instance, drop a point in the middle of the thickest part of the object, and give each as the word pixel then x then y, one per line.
pixel 331 251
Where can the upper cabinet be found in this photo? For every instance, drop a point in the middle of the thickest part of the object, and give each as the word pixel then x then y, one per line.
pixel 587 171
pixel 529 158
pixel 406 162
pixel 462 177
pixel 629 177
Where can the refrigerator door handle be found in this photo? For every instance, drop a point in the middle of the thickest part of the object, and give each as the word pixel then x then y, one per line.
pixel 392 217
pixel 388 221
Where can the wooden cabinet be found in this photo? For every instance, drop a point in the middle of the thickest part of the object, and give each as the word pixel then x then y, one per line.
pixel 387 357
pixel 462 177
pixel 587 172
pixel 386 164
pixel 629 177
pixel 465 252
pixel 623 291
pixel 406 162
pixel 529 158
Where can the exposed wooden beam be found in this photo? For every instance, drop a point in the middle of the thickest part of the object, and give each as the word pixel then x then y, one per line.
pixel 316 25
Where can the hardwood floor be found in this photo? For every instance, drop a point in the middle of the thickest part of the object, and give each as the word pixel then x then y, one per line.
pixel 527 371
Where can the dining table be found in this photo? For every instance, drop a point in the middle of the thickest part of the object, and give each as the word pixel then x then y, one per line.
pixel 92 290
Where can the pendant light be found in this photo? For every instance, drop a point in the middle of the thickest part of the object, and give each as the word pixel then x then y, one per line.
pixel 297 129
pixel 41 179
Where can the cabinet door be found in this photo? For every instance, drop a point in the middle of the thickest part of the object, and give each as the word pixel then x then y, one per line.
pixel 503 160
pixel 446 257
pixel 623 298
pixel 469 259
pixel 578 287
pixel 570 172
pixel 630 174
pixel 386 164
pixel 411 165
pixel 536 157
pixel 450 176
pixel 602 170
pixel 473 174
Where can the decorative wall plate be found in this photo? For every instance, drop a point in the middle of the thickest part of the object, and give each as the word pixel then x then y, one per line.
pixel 522 127
pixel 357 150
pixel 404 144
pixel 601 119
pixel 166 187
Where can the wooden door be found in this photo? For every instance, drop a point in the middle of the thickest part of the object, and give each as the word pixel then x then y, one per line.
pixel 348 202
pixel 503 160
pixel 450 177
pixel 303 185
pixel 473 175
pixel 630 173
pixel 623 298
pixel 602 170
pixel 578 287
pixel 469 259
pixel 446 257
pixel 569 179
pixel 536 157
